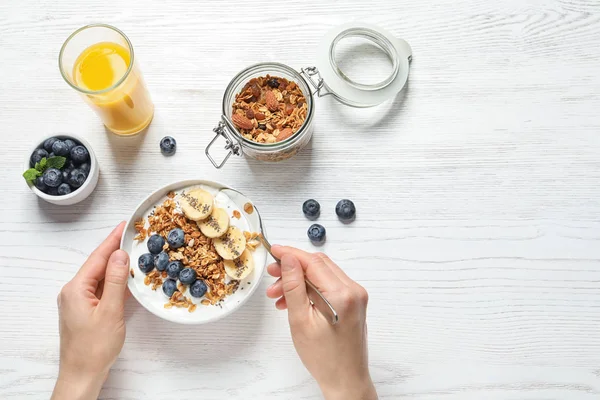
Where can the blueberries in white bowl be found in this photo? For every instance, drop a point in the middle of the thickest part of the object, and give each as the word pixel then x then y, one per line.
pixel 187 276
pixel 146 263
pixel 174 268
pixel 169 287
pixel 37 156
pixel 63 189
pixel 59 166
pixel 60 148
pixel 161 260
pixel 176 238
pixel 52 177
pixel 198 288
pixel 79 154
pixel 155 244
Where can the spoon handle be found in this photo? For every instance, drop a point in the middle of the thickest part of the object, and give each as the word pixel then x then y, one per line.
pixel 316 297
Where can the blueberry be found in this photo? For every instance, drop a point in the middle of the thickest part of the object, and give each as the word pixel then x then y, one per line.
pixel 155 244
pixel 50 155
pixel 345 210
pixel 60 148
pixel 76 178
pixel 52 191
pixel 161 260
pixel 273 82
pixel 63 189
pixel 168 146
pixel 176 238
pixel 80 154
pixel 37 156
pixel 48 144
pixel 316 233
pixel 187 276
pixel 70 144
pixel 85 167
pixel 174 268
pixel 69 164
pixel 39 183
pixel 198 288
pixel 146 263
pixel 66 172
pixel 52 177
pixel 311 209
pixel 169 287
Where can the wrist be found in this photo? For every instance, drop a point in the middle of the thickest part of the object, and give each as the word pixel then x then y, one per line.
pixel 356 390
pixel 77 386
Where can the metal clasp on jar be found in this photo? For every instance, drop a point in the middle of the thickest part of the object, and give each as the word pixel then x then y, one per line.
pixel 310 74
pixel 222 129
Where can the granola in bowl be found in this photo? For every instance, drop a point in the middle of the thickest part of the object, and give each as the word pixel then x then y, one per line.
pixel 189 276
pixel 269 109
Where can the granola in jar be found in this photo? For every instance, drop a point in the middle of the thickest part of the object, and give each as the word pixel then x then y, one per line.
pixel 269 109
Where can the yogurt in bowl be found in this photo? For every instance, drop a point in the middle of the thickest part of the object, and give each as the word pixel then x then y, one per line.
pixel 183 307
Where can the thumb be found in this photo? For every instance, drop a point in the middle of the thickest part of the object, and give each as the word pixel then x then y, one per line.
pixel 115 281
pixel 294 287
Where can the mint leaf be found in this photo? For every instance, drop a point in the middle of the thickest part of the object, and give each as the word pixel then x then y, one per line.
pixel 31 174
pixel 41 166
pixel 56 162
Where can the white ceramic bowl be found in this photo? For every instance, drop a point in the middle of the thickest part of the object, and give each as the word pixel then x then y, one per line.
pixel 154 301
pixel 77 195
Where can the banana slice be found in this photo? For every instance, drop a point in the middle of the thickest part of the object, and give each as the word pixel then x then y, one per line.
pixel 241 267
pixel 197 204
pixel 231 245
pixel 216 224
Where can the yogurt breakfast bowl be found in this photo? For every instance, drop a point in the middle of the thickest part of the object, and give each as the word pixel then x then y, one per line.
pixel 229 274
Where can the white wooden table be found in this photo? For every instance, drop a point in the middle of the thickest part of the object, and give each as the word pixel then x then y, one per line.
pixel 478 233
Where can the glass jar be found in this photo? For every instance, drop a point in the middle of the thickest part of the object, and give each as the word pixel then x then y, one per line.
pixel 326 78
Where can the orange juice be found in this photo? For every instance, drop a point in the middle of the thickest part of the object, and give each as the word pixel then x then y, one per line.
pixel 114 87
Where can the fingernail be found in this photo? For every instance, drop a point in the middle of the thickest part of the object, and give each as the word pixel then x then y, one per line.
pixel 119 257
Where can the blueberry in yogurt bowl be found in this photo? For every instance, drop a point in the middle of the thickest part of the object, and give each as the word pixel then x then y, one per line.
pixel 61 170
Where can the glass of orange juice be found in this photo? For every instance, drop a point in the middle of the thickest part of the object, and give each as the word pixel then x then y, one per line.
pixel 98 61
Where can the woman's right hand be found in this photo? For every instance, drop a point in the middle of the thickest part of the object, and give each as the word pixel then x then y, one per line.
pixel 336 356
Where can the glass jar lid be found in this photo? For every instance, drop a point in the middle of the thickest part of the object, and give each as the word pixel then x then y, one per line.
pixel 350 91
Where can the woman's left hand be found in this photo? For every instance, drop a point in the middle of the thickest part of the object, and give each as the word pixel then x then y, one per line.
pixel 92 327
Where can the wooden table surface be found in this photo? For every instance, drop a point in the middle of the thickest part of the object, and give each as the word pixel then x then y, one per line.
pixel 478 229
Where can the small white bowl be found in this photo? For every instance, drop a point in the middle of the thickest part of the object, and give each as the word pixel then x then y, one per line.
pixel 77 195
pixel 154 300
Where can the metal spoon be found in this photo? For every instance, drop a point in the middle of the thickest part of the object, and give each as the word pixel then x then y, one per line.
pixel 316 297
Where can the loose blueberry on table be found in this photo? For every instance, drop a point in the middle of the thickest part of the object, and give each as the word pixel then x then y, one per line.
pixel 155 244
pixel 176 238
pixel 345 210
pixel 174 268
pixel 146 263
pixel 316 233
pixel 311 209
pixel 58 167
pixel 198 288
pixel 169 287
pixel 161 260
pixel 168 146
